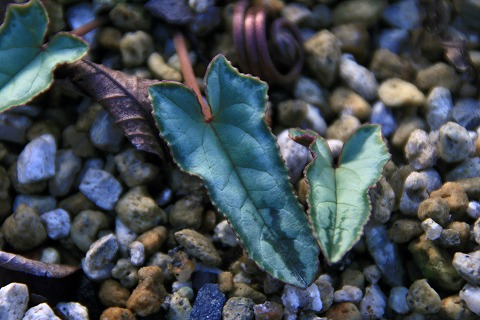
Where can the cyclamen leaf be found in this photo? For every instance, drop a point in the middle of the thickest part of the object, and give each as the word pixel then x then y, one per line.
pixel 237 156
pixel 338 197
pixel 26 64
pixel 124 97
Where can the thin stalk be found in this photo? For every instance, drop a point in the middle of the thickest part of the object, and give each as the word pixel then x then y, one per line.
pixel 89 26
pixel 188 74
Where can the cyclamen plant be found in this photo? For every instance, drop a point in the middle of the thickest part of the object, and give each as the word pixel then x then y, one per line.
pixel 227 143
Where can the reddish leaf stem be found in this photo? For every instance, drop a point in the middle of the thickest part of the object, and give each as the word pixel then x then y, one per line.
pixel 188 74
pixel 89 26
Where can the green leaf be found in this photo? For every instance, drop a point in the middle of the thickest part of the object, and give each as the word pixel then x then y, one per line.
pixel 338 198
pixel 26 65
pixel 237 156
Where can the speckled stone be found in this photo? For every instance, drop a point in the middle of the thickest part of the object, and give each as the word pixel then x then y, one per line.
pixel 386 64
pixel 148 296
pixel 468 168
pixel 73 310
pixel 420 151
pixel 138 211
pixel 294 154
pixel 358 78
pixel 439 107
pixel 422 298
pixel 116 313
pixel 245 291
pixel 405 128
pixel 397 93
pixel 198 246
pixel 471 295
pixel 373 303
pixel 208 304
pixel 40 204
pixel 382 199
pixel 186 213
pixel 41 311
pixel 133 169
pixel 348 294
pixel 456 197
pixel 404 230
pixel 238 308
pixel 343 128
pixel 268 311
pixel 135 48
pixel 309 90
pixel 57 223
pixel 435 208
pixel 323 56
pixel 354 39
pixel 86 227
pixel 468 266
pixel 383 116
pixel 416 188
pixel 433 230
pixel 36 162
pixel 126 273
pixel 98 262
pixel 101 188
pixel 454 144
pixel 13 301
pixel 344 100
pixel 180 307
pixel 67 165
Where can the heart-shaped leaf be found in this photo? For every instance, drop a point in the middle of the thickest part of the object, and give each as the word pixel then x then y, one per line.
pixel 236 155
pixel 338 198
pixel 26 64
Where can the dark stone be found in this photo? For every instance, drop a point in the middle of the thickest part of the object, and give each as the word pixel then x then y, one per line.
pixel 201 278
pixel 209 303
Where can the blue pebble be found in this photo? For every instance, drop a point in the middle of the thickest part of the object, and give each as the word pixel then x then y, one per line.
pixel 403 14
pixel 101 188
pixel 383 116
pixel 209 303
pixel 394 40
pixel 40 204
pixel 467 113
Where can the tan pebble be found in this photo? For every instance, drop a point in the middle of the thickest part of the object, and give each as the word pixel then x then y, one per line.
pixel 462 229
pixel 187 213
pixel 198 246
pixel 477 146
pixel 302 191
pixel 113 294
pixel 323 55
pixel 153 239
pixel 116 313
pixel 24 230
pixel 397 93
pixel 209 221
pixel 182 266
pixel 148 296
pixel 225 281
pixel 344 100
pixel 243 290
pixel 344 311
pixel 109 38
pixel 422 298
pixel 455 308
pixel 436 209
pixel 161 70
pixel 343 128
pixel 358 11
pixel 406 127
pixel 455 196
pixel 386 64
pixel 438 75
pixel 354 39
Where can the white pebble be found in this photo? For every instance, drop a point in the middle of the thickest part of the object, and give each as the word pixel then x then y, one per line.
pixel 40 312
pixel 137 253
pixel 398 300
pixel 124 235
pixel 57 223
pixel 13 301
pixel 373 303
pixel 224 233
pixel 348 294
pixel 473 209
pixel 73 310
pixel 372 274
pixel 432 229
pixel 315 121
pixel 471 295
pixel 294 298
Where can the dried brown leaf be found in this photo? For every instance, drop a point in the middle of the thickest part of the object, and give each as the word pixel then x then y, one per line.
pixel 125 97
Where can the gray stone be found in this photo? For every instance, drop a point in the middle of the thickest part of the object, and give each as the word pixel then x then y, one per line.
pixel 98 263
pixel 13 301
pixel 314 120
pixel 125 236
pixel 180 307
pixel 398 300
pixel 367 12
pixel 86 226
pixel 238 308
pixel 93 163
pixel 372 274
pixel 403 14
pixel 78 141
pixel 420 151
pixel 394 40
pixel 101 188
pixel 468 266
pixel 208 304
pixel 358 78
pixel 295 299
pixel 454 144
pixel 422 298
pixel 198 246
pixel 135 47
pixel 404 230
pixel 373 303
pixel 73 310
pixel 41 311
pixel 348 294
pixel 382 199
pixel 133 169
pixel 383 116
pixel 469 168
pixel 296 13
pixel 323 56
pixel 186 213
pixel 439 107
pixel 309 90
pixel 294 154
pixel 417 187
pixel 36 162
pixel 137 253
pixel 467 113
pixel 50 255
pixel 13 127
pixel 57 223
pixel 67 165
pixel 130 17
pixel 126 273
pixel 104 134
pixel 432 229
pixel 476 231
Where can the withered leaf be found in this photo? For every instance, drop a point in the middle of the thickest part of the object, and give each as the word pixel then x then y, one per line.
pixel 125 97
pixel 172 11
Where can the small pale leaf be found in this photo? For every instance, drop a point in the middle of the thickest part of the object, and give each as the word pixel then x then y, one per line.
pixel 338 198
pixel 236 155
pixel 26 64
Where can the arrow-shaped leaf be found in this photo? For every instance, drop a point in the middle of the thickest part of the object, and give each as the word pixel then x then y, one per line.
pixel 338 198
pixel 236 155
pixel 26 64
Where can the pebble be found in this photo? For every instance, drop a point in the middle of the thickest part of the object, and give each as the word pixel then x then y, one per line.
pixel 354 39
pixel 398 300
pixel 198 246
pixel 404 230
pixel 386 64
pixel 42 127
pixel 456 235
pixel 432 229
pixel 225 281
pixel 126 273
pixel 86 226
pixel 13 127
pixel 397 93
pixel 133 169
pixel 113 294
pixel 385 254
pixel 130 17
pixel 153 239
pixel 310 91
pixel 468 266
pixel 352 278
pixel 454 144
pixel 438 75
pixel 98 262
pixel 182 266
pixel 382 199
pixel 115 313
pixel 416 188
pixel 238 308
pixel 372 274
pixel 41 311
pixel 13 301
pixel 225 234
pixel 268 311
pixel 326 293
pixel 468 168
pixel 335 147
pixel 161 70
pixel 323 56
pixel 358 78
pixel 473 209
pixel 148 296
pixel 57 223
pixel 208 304
pixel 383 116
pixel 344 311
pixel 101 188
pixel 186 213
pixel 394 40
pixel 405 128
pixel 343 128
pixel 67 165
pixel 36 162
pixel 104 134
pixel 206 22
pixel 466 113
pixel 180 307
pixel 24 230
pixel 439 107
pixel 135 48
pixel 162 260
pixel 138 211
pixel 124 235
pixel 455 196
pixel 344 100
pixel 403 14
pixel 109 38
pixel 78 141
pixel 73 310
pixel 291 113
pixel 435 264
pixel 367 12
pixel 76 203
pixel 455 308
pixel 296 13
pixel 314 120
pixel 348 294
pixel 420 151
pixel 295 299
pixel 137 253
pixel 373 303
pixel 422 298
pixel 40 204
pixel 471 295
pixel 50 255
pixel 294 154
